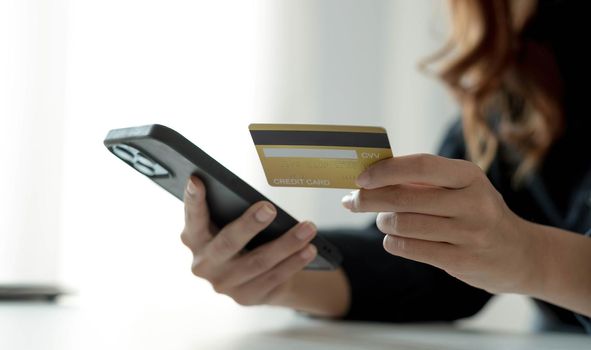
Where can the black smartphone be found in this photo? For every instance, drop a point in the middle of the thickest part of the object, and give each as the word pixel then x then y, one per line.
pixel 169 159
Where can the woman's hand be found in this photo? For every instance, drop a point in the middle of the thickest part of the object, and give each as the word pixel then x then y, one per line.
pixel 446 213
pixel 261 276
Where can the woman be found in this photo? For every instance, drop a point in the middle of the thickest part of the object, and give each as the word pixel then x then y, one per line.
pixel 450 232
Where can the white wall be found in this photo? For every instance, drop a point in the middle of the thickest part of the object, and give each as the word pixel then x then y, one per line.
pixel 32 77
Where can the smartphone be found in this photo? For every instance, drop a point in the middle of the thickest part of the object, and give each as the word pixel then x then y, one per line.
pixel 168 159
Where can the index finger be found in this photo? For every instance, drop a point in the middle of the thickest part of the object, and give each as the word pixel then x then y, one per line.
pixel 426 169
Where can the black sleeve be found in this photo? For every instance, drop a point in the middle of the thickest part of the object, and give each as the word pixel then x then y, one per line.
pixel 393 289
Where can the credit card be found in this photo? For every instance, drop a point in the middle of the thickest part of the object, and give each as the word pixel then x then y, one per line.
pixel 324 156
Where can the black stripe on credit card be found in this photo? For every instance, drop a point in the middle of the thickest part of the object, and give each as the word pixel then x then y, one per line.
pixel 320 138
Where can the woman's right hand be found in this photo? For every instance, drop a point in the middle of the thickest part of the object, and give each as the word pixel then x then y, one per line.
pixel 261 276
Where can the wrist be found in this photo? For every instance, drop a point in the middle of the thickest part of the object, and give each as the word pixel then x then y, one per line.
pixel 319 293
pixel 533 267
pixel 543 259
pixel 560 271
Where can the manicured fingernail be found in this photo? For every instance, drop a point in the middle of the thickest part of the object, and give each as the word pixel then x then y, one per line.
pixel 264 214
pixel 191 188
pixel 308 252
pixel 305 231
pixel 363 179
pixel 347 201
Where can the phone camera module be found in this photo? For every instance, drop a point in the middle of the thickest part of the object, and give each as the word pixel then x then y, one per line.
pixel 140 161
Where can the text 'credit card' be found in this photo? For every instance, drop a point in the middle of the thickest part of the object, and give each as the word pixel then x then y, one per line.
pixel 329 156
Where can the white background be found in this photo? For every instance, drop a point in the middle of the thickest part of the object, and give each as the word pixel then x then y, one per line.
pixel 71 213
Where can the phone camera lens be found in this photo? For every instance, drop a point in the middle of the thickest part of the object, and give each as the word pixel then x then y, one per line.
pixel 143 160
pixel 144 169
pixel 124 152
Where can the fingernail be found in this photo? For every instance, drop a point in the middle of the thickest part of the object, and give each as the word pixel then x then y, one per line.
pixel 347 201
pixel 363 179
pixel 308 252
pixel 191 188
pixel 264 214
pixel 305 231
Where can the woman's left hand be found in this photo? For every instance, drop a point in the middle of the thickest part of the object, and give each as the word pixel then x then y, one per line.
pixel 446 213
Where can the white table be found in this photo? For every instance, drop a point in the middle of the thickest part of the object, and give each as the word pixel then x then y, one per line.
pixel 34 326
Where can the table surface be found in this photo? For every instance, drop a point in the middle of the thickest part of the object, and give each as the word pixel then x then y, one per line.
pixel 111 326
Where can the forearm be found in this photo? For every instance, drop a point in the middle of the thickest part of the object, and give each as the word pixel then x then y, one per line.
pixel 564 264
pixel 373 285
pixel 318 293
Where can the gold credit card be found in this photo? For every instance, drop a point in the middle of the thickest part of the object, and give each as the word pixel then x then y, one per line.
pixel 328 156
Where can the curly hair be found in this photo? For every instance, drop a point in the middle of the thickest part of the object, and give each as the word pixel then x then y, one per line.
pixel 494 68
